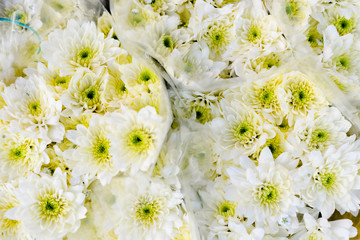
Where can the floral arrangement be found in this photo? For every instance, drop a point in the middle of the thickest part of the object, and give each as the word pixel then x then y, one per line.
pixel 179 120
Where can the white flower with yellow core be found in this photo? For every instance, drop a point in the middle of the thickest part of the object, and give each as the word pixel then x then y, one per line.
pixel 341 53
pixel 31 109
pixel 56 83
pixel 116 91
pixel 263 192
pixel 267 98
pixel 257 32
pixel 10 229
pixel 91 156
pixel 79 46
pixel 20 155
pixel 213 26
pixel 217 213
pixel 301 95
pixel 294 13
pixel 319 130
pixel 147 209
pixel 322 229
pixel 345 20
pixel 139 74
pixel 163 37
pixel 143 86
pixel 191 67
pixel 86 91
pixel 242 130
pixel 48 208
pixel 331 180
pixel 135 138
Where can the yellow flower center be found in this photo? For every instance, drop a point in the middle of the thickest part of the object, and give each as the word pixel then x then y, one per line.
pixel 52 207
pixel 227 209
pixel 139 140
pixel 148 210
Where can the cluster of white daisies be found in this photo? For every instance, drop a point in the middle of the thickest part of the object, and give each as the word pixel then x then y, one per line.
pixel 249 137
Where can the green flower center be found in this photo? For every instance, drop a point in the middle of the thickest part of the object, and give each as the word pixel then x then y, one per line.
pixel 267 194
pixel 292 9
pixel 313 36
pixel 100 150
pixel 168 42
pixel 61 81
pixel 139 140
pixel 138 17
pixel 254 34
pixel 326 179
pixel 319 138
pixel 20 153
pixel 218 36
pixel 342 62
pixel 35 108
pixel 343 25
pixel 202 113
pixel 148 211
pixel 275 145
pixel 245 132
pixel 84 56
pixel 227 209
pixel 52 207
pixel 147 77
pixel 302 95
pixel 266 97
pixel 91 96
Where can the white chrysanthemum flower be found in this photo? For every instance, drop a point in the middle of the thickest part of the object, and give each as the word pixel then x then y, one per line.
pixel 319 130
pixel 20 155
pixel 217 214
pixel 261 63
pixel 294 13
pixel 10 229
pixel 202 107
pixel 264 192
pixel 144 87
pixel 79 46
pixel 146 209
pixel 213 26
pixel 257 33
pixel 313 36
pixel 56 83
pixel 319 229
pixel 23 11
pixel 341 53
pixel 91 156
pixel 241 130
pixel 191 67
pixel 267 98
pixel 17 52
pixel 136 138
pixel 132 16
pixel 163 37
pixel 48 207
pixel 345 20
pixel 331 179
pixel 86 92
pixel 32 109
pixel 116 90
pixel 301 95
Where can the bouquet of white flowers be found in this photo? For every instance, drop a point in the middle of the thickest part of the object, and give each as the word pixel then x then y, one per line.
pixel 179 120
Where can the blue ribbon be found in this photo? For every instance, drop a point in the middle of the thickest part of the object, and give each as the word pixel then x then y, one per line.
pixel 25 26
